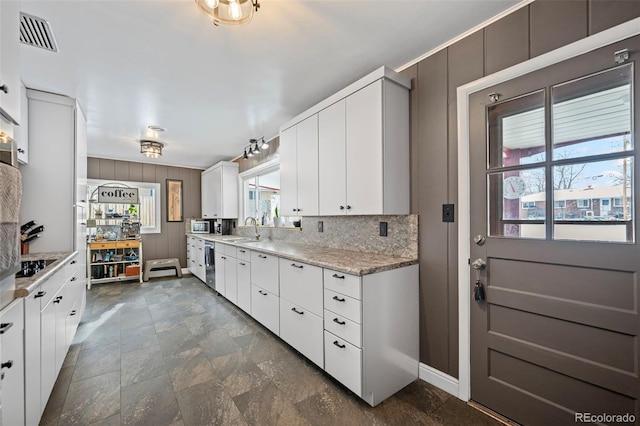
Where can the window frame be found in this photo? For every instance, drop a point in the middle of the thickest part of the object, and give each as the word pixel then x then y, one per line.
pixel 261 169
pixel 157 187
pixel 580 203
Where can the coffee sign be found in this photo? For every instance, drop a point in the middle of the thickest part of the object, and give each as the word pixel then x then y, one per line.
pixel 111 194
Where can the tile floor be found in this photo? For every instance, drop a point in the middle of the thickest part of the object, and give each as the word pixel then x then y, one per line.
pixel 171 352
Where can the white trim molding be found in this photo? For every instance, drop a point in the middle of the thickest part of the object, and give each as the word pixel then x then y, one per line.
pixel 438 379
pixel 580 47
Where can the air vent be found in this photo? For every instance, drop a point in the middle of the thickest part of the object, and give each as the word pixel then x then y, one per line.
pixel 36 32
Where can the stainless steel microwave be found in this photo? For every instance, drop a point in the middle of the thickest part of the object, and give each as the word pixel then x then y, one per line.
pixel 200 227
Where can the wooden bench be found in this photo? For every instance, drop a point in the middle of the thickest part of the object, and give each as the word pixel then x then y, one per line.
pixel 158 264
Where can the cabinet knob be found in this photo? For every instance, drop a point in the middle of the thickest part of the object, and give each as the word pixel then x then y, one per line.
pixel 262 256
pixel 335 342
pixel 242 264
pixel 5 326
pixel 74 278
pixel 264 293
pixel 348 207
pixel 39 294
pixel 4 88
pixel 73 262
pixel 59 298
pixel 7 364
pixel 341 207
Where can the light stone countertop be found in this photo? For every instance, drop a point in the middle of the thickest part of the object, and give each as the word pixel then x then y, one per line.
pixel 26 286
pixel 347 261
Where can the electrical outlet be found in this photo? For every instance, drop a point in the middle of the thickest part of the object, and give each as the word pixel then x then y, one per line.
pixel 448 213
pixel 320 226
pixel 383 229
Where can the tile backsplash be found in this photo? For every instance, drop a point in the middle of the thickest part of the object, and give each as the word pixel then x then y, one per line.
pixel 360 233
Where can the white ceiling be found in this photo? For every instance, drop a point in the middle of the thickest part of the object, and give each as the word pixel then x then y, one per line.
pixel 132 64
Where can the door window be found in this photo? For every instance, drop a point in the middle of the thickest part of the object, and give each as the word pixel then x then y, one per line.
pixel 564 196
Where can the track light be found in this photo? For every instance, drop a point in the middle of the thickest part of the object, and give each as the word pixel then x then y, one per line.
pixel 245 156
pixel 265 145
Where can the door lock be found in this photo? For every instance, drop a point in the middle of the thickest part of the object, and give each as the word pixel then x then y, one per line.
pixel 479 264
pixel 479 239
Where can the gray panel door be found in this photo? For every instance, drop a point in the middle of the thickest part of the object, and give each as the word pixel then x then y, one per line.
pixel 553 182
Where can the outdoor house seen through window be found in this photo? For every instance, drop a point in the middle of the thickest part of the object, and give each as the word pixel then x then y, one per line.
pixel 261 195
pixel 575 183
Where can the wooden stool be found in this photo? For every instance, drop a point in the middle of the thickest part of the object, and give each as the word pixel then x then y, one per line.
pixel 158 264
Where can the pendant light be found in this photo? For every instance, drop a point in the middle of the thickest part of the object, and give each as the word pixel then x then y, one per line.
pixel 229 12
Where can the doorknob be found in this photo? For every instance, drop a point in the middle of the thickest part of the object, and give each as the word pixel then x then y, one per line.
pixel 479 264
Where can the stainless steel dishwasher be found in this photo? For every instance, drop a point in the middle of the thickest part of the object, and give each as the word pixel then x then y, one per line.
pixel 210 263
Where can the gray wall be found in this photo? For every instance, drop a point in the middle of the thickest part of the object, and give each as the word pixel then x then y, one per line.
pixel 533 30
pixel 171 241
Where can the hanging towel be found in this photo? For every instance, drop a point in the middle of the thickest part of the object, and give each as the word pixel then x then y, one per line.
pixel 10 199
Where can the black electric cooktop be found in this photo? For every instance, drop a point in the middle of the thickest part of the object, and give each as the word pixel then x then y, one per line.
pixel 31 267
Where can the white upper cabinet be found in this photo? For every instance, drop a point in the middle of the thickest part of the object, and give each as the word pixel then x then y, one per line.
pixel 220 191
pixel 363 150
pixel 10 61
pixel 299 169
pixel 332 160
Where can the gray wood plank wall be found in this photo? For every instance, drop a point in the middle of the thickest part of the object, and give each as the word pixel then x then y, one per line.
pixel 535 29
pixel 164 244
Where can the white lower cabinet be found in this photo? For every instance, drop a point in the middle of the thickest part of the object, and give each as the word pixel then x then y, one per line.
pixel 302 329
pixel 363 330
pixel 32 357
pixel 12 367
pixel 343 361
pixel 244 285
pixel 265 308
pixel 52 314
pixel 220 271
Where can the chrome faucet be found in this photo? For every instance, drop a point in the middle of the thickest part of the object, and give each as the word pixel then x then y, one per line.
pixel 255 224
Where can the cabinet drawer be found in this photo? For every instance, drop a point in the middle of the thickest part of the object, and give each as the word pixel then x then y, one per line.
pixel 265 308
pixel 343 327
pixel 198 243
pixel 264 271
pixel 71 268
pixel 301 284
pixel 95 246
pixel 343 283
pixel 345 306
pixel 50 287
pixel 230 250
pixel 302 329
pixel 128 244
pixel 243 254
pixel 343 361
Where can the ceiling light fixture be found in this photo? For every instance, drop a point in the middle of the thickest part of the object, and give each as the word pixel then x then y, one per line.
pixel 151 149
pixel 155 128
pixel 265 145
pixel 256 150
pixel 254 147
pixel 229 12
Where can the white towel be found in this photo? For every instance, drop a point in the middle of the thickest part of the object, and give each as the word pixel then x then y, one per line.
pixel 10 199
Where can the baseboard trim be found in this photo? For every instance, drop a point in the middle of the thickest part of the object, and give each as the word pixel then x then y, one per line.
pixel 439 379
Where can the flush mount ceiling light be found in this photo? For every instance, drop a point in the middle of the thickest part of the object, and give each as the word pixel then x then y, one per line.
pixel 151 149
pixel 229 12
